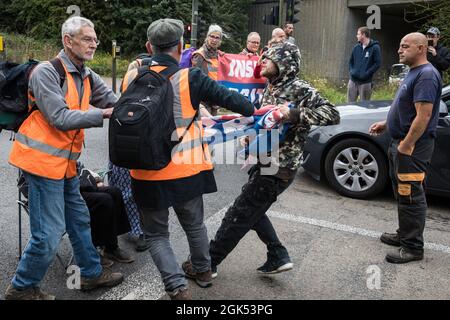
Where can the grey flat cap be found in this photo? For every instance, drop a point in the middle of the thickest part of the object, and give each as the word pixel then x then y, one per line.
pixel 434 30
pixel 165 33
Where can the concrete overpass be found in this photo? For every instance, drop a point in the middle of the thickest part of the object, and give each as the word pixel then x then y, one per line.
pixel 327 29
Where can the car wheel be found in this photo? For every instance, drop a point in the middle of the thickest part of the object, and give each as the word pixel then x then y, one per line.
pixel 356 168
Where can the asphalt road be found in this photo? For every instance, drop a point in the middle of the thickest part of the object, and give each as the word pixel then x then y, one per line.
pixel 333 242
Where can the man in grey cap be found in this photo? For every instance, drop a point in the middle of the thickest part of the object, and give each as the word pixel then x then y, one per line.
pixel 182 183
pixel 438 55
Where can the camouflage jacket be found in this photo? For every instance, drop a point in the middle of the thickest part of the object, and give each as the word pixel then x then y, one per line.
pixel 310 108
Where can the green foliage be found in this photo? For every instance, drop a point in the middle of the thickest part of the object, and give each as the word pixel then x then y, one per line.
pixel 337 94
pixel 232 16
pixel 124 21
pixel 102 64
pixel 20 48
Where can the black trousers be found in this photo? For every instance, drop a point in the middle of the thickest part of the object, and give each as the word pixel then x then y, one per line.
pixel 108 216
pixel 408 177
pixel 249 212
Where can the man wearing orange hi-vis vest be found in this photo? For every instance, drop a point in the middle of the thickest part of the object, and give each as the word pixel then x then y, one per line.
pixel 189 174
pixel 62 94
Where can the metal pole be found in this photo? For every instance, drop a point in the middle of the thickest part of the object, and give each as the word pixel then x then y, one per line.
pixel 114 43
pixel 280 21
pixel 194 23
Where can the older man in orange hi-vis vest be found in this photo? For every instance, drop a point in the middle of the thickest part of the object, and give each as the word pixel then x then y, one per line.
pixel 47 146
pixel 189 174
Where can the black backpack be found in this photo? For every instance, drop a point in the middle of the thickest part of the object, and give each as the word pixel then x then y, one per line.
pixel 14 91
pixel 142 122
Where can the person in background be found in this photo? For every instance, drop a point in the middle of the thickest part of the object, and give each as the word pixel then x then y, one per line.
pixel 207 59
pixel 288 28
pixel 364 62
pixel 438 55
pixel 253 43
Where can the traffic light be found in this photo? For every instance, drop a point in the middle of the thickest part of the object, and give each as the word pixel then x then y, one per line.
pixel 291 11
pixel 273 17
pixel 187 33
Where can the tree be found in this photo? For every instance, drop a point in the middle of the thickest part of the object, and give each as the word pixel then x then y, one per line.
pixel 232 16
pixel 124 21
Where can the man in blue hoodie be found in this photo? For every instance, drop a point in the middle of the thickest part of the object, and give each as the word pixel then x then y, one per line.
pixel 364 62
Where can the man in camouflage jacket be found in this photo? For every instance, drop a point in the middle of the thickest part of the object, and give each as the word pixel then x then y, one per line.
pixel 281 65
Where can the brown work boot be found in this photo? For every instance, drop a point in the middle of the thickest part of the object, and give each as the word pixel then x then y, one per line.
pixel 106 279
pixel 181 293
pixel 118 255
pixel 203 279
pixel 105 262
pixel 27 294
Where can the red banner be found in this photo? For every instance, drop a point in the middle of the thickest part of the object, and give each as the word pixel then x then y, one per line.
pixel 236 73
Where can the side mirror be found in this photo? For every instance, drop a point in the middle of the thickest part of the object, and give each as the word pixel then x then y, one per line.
pixel 443 110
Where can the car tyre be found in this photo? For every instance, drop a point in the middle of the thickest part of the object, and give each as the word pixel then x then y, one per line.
pixel 365 177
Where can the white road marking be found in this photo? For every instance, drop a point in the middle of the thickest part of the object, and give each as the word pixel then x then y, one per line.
pixel 146 283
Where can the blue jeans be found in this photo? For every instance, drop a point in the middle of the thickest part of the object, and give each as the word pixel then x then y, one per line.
pixel 156 225
pixel 55 206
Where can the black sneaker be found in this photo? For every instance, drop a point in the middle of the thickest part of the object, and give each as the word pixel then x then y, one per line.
pixel 402 256
pixel 391 239
pixel 271 267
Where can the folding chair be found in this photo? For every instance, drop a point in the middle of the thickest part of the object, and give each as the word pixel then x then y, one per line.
pixel 23 205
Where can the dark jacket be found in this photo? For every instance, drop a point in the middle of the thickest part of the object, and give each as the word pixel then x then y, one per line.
pixel 168 193
pixel 364 63
pixel 442 59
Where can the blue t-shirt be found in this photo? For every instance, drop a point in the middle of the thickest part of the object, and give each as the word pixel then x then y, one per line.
pixel 422 84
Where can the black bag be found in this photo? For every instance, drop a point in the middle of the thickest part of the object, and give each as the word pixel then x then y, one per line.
pixel 14 91
pixel 142 123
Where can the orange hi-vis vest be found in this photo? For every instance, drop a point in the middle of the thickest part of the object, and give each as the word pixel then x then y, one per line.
pixel 213 64
pixel 191 156
pixel 45 151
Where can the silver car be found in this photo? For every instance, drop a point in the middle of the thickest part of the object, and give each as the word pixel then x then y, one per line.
pixel 356 164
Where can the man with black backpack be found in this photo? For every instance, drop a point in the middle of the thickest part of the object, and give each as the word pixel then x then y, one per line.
pixel 46 148
pixel 182 179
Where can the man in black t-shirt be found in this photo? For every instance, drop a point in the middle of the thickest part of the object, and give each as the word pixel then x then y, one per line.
pixel 411 122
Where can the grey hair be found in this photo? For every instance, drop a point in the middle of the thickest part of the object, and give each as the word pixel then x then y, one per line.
pixel 216 28
pixel 251 34
pixel 276 30
pixel 73 25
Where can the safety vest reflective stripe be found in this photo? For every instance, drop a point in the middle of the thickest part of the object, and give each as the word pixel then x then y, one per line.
pixel 45 148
